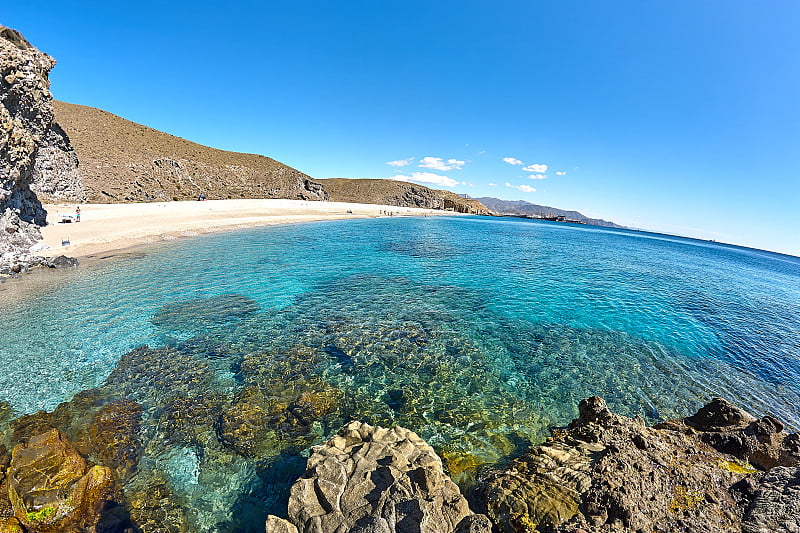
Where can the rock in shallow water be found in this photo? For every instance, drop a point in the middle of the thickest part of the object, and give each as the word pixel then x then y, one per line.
pixel 372 479
pixel 52 488
pixel 204 313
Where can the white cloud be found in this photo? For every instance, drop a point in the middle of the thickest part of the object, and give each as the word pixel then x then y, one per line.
pixel 537 177
pixel 426 177
pixel 437 163
pixel 539 168
pixel 523 188
pixel 492 185
pixel 513 161
pixel 400 162
pixel 559 173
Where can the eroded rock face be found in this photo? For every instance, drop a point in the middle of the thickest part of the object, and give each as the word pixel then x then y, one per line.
pixel 609 472
pixel 33 150
pixel 52 488
pixel 372 479
pixel 774 501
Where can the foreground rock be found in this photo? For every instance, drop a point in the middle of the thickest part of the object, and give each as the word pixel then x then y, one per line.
pixel 612 473
pixel 33 149
pixel 51 488
pixel 372 479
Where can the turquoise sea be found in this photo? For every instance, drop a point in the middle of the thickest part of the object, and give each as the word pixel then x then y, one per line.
pixel 479 333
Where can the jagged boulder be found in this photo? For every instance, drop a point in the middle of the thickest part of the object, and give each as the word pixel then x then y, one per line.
pixel 33 148
pixel 762 442
pixel 610 472
pixel 372 479
pixel 51 487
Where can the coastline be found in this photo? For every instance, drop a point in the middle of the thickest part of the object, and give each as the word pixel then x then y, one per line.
pixel 106 228
pixel 107 231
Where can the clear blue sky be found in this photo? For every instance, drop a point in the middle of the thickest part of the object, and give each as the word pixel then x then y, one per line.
pixel 678 116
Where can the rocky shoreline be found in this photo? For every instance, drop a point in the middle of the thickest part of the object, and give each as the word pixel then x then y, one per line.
pixel 719 470
pixel 33 149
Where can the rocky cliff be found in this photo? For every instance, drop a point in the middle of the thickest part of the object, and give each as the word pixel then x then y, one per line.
pixel 33 149
pixel 720 470
pixel 122 161
pixel 399 193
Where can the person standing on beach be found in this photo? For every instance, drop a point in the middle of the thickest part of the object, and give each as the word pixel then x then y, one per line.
pixel 78 214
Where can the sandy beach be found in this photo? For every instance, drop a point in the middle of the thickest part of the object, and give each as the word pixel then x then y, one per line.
pixel 111 227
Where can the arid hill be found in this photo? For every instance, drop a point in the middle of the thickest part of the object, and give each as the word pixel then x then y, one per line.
pixel 122 161
pixel 399 193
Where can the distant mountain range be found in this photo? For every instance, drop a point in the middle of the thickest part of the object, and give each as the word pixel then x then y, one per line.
pixel 523 208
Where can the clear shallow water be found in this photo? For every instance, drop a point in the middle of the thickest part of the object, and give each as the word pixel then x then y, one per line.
pixel 478 333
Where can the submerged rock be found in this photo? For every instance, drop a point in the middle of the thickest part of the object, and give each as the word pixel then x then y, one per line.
pixel 204 313
pixel 154 507
pixel 52 488
pixel 113 436
pixel 372 479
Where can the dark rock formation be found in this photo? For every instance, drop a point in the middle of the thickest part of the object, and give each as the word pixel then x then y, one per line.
pixel 59 261
pixel 774 501
pixel 33 150
pixel 719 415
pixel 372 479
pixel 761 442
pixel 608 472
pixel 204 313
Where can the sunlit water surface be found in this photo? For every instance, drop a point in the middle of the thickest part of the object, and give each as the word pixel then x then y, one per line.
pixel 480 334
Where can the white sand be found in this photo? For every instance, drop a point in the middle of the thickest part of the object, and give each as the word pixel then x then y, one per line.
pixel 110 227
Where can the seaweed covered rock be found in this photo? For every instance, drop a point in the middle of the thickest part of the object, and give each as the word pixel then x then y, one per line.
pixel 53 489
pixel 151 374
pixel 204 313
pixel 610 472
pixel 34 150
pixel 259 423
pixel 113 436
pixel 372 479
pixel 154 506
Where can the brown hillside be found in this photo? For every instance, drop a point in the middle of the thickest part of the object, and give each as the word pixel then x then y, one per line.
pixel 399 193
pixel 122 161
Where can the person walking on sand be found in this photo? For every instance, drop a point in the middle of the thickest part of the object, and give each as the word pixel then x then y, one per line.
pixel 78 214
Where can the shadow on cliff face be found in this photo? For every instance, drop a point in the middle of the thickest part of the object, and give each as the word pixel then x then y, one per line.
pixel 30 209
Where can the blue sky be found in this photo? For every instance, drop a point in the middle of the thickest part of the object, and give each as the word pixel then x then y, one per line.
pixel 678 116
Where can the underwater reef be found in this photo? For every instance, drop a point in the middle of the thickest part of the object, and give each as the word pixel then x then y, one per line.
pixel 356 416
pixel 90 465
